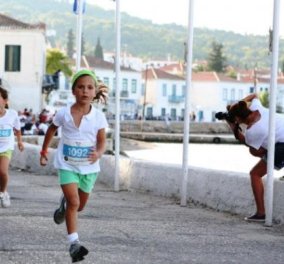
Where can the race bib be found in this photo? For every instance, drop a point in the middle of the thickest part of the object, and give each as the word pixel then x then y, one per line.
pixel 77 152
pixel 5 134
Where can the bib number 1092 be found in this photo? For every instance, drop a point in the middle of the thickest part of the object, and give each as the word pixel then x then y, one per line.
pixel 76 152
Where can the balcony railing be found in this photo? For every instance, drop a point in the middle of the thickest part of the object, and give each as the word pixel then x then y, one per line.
pixel 176 99
pixel 122 94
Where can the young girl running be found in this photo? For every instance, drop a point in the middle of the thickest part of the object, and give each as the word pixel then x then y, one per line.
pixel 81 145
pixel 9 127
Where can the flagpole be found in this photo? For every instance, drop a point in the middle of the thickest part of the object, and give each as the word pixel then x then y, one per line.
pixel 186 132
pixel 117 97
pixel 272 110
pixel 79 34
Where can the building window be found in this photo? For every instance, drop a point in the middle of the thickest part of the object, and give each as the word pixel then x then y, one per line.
pixel 149 112
pixel 251 90
pixel 173 113
pixel 106 81
pixel 124 84
pixel 233 96
pixel 182 113
pixel 12 58
pixel 163 112
pixel 225 94
pixel 241 95
pixel 213 118
pixel 174 90
pixel 133 86
pixel 183 90
pixel 164 89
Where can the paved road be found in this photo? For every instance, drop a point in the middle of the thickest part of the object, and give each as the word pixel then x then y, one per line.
pixel 129 227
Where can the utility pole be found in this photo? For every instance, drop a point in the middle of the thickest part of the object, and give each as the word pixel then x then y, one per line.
pixel 79 34
pixel 145 91
pixel 255 78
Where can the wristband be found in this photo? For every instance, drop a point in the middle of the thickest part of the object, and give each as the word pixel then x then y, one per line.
pixel 43 152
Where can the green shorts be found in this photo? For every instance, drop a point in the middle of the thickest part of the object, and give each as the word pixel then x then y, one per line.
pixel 7 153
pixel 85 182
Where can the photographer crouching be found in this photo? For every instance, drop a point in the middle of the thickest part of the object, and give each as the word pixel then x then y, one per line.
pixel 250 113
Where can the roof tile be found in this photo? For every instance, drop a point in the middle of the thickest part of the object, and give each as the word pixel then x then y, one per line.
pixel 11 23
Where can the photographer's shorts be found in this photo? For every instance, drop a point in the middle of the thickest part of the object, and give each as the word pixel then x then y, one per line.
pixel 278 156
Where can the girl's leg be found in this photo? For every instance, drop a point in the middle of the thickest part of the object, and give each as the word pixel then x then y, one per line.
pixel 4 176
pixel 83 196
pixel 71 194
pixel 256 174
pixel 86 185
pixel 73 202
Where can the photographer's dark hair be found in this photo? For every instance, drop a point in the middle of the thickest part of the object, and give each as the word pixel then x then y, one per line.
pixel 4 94
pixel 240 110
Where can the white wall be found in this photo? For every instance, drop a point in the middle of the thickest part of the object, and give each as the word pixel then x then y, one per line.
pixel 221 190
pixel 24 86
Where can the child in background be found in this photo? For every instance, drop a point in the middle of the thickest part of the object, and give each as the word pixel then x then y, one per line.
pixel 82 143
pixel 9 127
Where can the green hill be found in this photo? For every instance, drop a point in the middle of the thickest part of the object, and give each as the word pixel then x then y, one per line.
pixel 140 37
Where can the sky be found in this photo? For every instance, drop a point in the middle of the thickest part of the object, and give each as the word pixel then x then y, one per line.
pixel 240 16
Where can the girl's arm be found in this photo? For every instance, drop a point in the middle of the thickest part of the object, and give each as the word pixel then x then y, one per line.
pixel 100 147
pixel 47 139
pixel 19 139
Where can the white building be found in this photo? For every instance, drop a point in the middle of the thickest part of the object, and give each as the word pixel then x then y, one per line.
pixel 22 66
pixel 126 60
pixel 160 93
pixel 209 93
pixel 212 92
pixel 129 88
pixel 163 95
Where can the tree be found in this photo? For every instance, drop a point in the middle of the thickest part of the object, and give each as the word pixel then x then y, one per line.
pixel 57 61
pixel 99 54
pixel 70 43
pixel 264 98
pixel 216 59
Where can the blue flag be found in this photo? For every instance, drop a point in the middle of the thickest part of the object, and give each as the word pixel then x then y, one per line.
pixel 76 7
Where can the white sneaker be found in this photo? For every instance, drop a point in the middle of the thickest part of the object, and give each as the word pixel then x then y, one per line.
pixel 5 199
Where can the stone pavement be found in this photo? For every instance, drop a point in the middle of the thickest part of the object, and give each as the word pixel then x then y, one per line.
pixel 128 227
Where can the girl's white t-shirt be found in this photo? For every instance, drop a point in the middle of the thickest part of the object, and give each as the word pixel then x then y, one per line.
pixel 8 123
pixel 75 142
pixel 257 135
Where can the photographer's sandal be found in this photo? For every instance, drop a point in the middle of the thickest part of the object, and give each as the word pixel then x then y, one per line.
pixel 255 218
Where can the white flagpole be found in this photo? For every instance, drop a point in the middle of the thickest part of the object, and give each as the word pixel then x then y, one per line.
pixel 272 110
pixel 79 34
pixel 187 103
pixel 117 97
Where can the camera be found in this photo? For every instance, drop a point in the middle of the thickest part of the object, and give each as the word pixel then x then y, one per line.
pixel 225 116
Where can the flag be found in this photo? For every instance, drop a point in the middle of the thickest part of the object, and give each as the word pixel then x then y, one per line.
pixel 76 6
